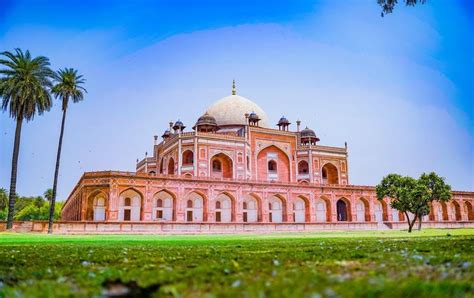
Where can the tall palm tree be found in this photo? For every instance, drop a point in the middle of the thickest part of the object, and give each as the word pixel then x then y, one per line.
pixel 24 85
pixel 67 86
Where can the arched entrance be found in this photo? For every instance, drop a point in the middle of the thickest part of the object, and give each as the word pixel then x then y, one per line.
pixel 221 166
pixel 444 211
pixel 171 166
pixel 362 210
pixel 273 164
pixel 469 211
pixel 223 208
pixel 299 210
pixel 275 209
pixel 323 207
pixel 130 205
pixel 303 167
pixel 194 207
pixel 163 206
pixel 250 209
pixel 378 211
pixel 99 208
pixel 457 210
pixel 330 174
pixel 188 158
pixel 343 210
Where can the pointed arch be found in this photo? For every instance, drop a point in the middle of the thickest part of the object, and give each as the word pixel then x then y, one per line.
pixel 252 208
pixel 133 210
pixel 196 206
pixel 97 206
pixel 343 207
pixel 171 166
pixel 362 210
pixel 457 210
pixel 221 166
pixel 301 210
pixel 444 211
pixel 277 210
pixel 225 207
pixel 330 173
pixel 323 209
pixel 273 164
pixel 164 205
pixel 303 167
pixel 188 157
pixel 469 211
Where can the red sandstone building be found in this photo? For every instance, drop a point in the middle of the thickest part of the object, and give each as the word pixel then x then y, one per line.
pixel 234 171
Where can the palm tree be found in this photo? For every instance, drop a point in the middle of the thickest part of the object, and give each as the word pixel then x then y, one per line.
pixel 24 84
pixel 68 86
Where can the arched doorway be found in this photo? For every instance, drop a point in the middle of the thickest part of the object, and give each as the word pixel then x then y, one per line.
pixel 343 210
pixel 469 211
pixel 221 166
pixel 299 210
pixel 275 209
pixel 303 167
pixel 99 208
pixel 273 165
pixel 444 211
pixel 251 209
pixel 163 206
pixel 323 208
pixel 130 205
pixel 171 166
pixel 223 208
pixel 457 210
pixel 362 210
pixel 330 174
pixel 188 158
pixel 194 207
pixel 378 211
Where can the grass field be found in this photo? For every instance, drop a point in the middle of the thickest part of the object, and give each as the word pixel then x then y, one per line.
pixel 431 263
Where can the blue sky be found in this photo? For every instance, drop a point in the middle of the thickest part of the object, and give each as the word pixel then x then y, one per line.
pixel 398 89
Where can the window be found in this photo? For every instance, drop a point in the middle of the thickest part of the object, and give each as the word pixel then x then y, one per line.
pixel 159 203
pixel 159 214
pixel 216 166
pixel 126 214
pixel 190 204
pixel 152 173
pixel 127 202
pixel 245 205
pixel 188 157
pixel 272 166
pixel 218 205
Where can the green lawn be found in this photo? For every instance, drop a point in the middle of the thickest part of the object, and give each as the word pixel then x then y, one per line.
pixel 431 263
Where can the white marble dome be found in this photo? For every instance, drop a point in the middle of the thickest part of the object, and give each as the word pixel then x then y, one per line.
pixel 231 110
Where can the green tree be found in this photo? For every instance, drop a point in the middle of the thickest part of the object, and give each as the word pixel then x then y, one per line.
pixel 389 5
pixel 68 85
pixel 48 194
pixel 24 86
pixel 3 199
pixel 410 195
pixel 438 190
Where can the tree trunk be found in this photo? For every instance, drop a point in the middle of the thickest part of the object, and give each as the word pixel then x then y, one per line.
pixel 420 219
pixel 56 172
pixel 12 194
pixel 410 223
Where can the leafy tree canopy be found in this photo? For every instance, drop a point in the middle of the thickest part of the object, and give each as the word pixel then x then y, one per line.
pixel 410 195
pixel 389 5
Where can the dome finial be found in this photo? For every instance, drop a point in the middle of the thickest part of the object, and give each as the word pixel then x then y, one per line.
pixel 234 91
